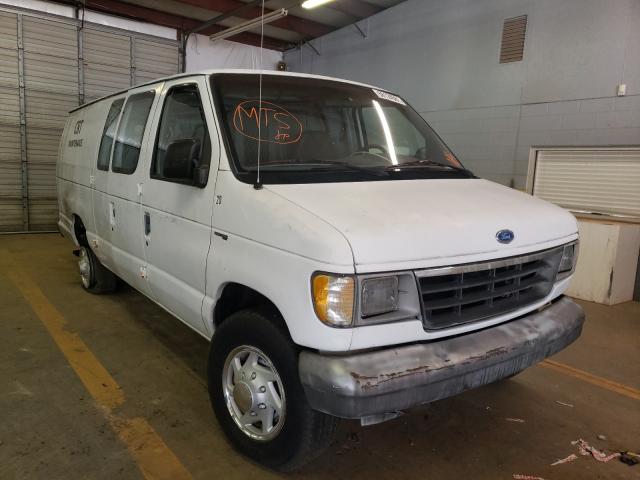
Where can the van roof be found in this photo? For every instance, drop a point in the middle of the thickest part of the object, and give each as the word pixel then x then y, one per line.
pixel 232 71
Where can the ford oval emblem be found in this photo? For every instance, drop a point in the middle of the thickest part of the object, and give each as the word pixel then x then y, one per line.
pixel 505 236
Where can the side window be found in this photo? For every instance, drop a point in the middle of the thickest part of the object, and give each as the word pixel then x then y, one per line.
pixel 183 150
pixel 130 132
pixel 108 133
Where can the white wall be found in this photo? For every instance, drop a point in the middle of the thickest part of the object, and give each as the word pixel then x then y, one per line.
pixel 202 54
pixel 442 56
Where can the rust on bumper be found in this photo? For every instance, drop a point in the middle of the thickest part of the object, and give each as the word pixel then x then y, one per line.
pixel 392 379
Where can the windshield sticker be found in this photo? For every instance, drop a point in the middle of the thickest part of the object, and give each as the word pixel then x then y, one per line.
pixel 388 96
pixel 266 122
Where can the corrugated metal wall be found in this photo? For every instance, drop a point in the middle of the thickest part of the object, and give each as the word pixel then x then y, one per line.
pixel 51 90
pixel 49 65
pixel 152 60
pixel 10 160
pixel 107 62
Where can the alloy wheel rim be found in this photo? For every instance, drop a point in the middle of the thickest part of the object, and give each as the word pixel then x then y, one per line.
pixel 254 393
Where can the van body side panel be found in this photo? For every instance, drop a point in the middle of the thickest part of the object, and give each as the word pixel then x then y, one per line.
pixel 75 167
pixel 123 212
pixel 294 244
pixel 101 203
pixel 282 277
pixel 180 223
pixel 65 215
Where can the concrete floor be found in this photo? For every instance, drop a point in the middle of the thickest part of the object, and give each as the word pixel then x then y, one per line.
pixel 50 426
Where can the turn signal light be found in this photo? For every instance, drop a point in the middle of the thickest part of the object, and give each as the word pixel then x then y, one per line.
pixel 333 299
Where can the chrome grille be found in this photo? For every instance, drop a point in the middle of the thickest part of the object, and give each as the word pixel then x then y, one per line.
pixel 468 293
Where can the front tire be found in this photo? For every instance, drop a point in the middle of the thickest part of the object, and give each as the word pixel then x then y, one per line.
pixel 257 396
pixel 95 277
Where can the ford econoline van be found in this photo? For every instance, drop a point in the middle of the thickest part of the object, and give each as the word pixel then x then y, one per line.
pixel 339 257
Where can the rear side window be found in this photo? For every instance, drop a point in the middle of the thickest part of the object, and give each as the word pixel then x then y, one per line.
pixel 131 132
pixel 183 141
pixel 108 133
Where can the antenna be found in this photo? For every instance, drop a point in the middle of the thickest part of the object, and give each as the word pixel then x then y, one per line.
pixel 258 185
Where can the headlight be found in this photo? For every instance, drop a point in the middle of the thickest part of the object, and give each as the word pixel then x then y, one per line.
pixel 379 295
pixel 568 261
pixel 333 299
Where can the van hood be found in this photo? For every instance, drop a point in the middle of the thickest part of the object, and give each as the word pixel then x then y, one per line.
pixel 419 223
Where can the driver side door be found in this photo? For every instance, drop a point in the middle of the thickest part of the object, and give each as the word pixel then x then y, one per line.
pixel 177 198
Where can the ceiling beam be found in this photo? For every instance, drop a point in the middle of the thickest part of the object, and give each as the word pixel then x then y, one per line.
pixel 144 14
pixel 224 16
pixel 302 26
pixel 355 8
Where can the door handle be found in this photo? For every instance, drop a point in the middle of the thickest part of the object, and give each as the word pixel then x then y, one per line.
pixel 147 224
pixel 112 215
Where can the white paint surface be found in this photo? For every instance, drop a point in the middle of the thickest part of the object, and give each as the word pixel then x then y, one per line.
pixel 131 25
pixel 607 262
pixel 204 54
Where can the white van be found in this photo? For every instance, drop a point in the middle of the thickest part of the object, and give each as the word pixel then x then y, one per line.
pixel 341 260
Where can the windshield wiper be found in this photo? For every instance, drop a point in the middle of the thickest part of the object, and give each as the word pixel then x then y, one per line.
pixel 348 166
pixel 421 163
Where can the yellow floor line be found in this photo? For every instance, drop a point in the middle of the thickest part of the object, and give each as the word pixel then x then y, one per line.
pixel 592 379
pixel 152 455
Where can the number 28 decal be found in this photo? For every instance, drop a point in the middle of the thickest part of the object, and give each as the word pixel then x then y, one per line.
pixel 266 122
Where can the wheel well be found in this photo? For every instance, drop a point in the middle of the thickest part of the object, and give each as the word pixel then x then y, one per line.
pixel 79 231
pixel 236 297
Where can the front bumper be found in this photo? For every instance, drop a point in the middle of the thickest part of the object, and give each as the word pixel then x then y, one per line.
pixel 393 379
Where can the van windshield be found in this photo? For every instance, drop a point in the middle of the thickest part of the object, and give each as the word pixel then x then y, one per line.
pixel 311 130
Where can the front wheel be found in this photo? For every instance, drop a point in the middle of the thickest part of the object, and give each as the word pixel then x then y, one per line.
pixel 257 396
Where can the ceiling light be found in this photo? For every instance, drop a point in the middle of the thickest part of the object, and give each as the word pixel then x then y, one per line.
pixel 256 22
pixel 314 3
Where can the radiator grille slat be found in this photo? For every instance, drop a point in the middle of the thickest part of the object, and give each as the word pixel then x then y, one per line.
pixel 462 294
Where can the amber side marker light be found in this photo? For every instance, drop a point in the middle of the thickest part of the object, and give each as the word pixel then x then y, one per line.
pixel 333 299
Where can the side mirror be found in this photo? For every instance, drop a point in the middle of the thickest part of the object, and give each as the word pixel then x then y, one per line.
pixel 182 162
pixel 201 176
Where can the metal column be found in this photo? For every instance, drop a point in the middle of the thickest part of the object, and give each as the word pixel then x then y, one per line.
pixel 23 128
pixel 80 65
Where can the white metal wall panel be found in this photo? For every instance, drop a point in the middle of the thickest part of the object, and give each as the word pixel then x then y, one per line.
pixel 51 90
pixel 154 59
pixel 601 181
pixel 107 62
pixel 11 210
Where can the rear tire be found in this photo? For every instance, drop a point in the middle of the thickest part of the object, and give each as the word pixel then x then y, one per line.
pixel 238 395
pixel 95 277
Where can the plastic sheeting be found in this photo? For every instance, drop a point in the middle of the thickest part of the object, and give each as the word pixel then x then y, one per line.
pixel 204 54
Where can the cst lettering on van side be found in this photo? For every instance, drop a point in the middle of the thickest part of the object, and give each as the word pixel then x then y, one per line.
pixel 78 127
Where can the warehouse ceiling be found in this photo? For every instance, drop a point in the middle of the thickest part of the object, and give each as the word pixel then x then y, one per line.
pixel 299 26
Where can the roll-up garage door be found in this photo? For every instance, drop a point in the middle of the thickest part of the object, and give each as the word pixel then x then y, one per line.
pixel 48 66
pixel 51 90
pixel 107 63
pixel 154 59
pixel 600 181
pixel 11 210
